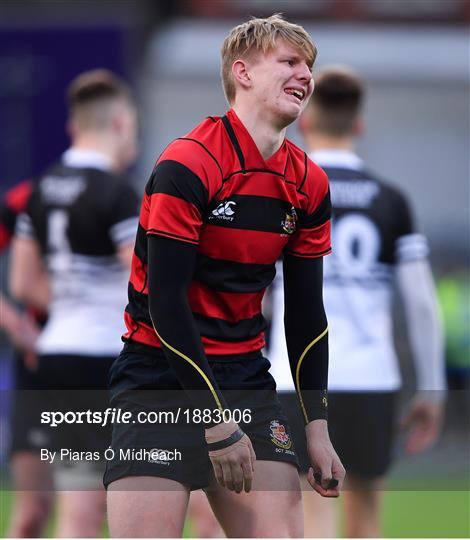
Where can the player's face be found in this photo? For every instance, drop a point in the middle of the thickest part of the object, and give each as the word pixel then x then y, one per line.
pixel 282 82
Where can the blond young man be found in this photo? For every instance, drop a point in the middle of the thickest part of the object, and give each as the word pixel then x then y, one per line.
pixel 76 235
pixel 376 247
pixel 221 205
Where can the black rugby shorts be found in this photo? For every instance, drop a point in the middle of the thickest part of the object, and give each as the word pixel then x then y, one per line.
pixel 143 382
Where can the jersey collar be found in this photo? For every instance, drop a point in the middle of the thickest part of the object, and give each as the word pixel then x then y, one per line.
pixel 252 157
pixel 333 157
pixel 90 159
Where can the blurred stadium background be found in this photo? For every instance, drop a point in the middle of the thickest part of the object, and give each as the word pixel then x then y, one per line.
pixel 415 57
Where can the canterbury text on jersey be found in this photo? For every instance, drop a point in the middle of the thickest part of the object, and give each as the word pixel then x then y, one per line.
pixel 372 231
pixel 80 214
pixel 212 188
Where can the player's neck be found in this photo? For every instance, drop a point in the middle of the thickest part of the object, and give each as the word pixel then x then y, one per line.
pixel 319 141
pixel 268 138
pixel 96 142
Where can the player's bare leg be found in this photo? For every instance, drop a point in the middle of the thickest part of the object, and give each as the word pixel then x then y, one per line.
pixel 145 507
pixel 201 517
pixel 362 507
pixel 320 513
pixel 81 514
pixel 33 500
pixel 274 511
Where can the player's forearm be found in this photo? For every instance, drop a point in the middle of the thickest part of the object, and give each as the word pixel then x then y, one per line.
pixel 171 267
pixel 28 280
pixel 306 329
pixel 9 315
pixel 423 321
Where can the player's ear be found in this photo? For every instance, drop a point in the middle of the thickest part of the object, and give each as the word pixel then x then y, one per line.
pixel 241 74
pixel 117 120
pixel 359 127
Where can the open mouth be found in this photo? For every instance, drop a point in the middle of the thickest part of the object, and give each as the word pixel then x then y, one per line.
pixel 299 94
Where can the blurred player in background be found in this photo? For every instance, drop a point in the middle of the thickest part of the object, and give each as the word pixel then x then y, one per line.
pixel 375 243
pixel 31 478
pixel 220 206
pixel 78 230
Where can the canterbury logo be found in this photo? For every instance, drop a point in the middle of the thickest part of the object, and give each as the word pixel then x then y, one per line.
pixel 224 210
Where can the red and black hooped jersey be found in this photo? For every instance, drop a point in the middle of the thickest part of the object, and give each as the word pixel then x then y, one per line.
pixel 13 202
pixel 212 188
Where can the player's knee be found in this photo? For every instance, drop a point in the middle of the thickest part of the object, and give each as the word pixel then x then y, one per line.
pixel 32 513
pixel 287 529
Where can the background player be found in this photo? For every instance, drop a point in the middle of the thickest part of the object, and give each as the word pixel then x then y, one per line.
pixel 375 242
pixel 221 205
pixel 78 229
pixel 31 478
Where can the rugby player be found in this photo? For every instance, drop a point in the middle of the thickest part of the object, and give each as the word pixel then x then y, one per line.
pixel 221 205
pixel 376 243
pixel 31 479
pixel 78 228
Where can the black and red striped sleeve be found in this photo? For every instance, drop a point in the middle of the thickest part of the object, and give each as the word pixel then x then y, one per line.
pixel 13 203
pixel 182 183
pixel 313 236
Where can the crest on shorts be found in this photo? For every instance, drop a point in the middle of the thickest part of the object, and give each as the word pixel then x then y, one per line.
pixel 289 224
pixel 279 435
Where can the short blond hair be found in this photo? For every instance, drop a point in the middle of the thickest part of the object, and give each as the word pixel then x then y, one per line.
pixel 260 35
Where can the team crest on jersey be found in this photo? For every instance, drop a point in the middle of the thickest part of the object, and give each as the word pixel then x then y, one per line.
pixel 289 224
pixel 279 435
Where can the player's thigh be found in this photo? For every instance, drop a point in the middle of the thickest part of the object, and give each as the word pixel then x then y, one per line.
pixel 262 512
pixel 143 507
pixel 31 474
pixel 320 513
pixel 361 492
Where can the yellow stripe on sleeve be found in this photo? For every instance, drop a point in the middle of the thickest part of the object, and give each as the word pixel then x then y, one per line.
pixel 297 371
pixel 195 366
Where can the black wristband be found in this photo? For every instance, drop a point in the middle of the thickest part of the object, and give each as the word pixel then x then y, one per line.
pixel 234 437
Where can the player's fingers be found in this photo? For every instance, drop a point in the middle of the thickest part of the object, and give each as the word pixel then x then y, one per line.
pixel 237 476
pixel 218 472
pixel 339 472
pixel 247 468
pixel 252 456
pixel 227 472
pixel 315 485
pixel 326 487
pixel 324 477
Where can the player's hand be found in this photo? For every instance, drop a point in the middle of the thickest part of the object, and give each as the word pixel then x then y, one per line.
pixel 326 475
pixel 233 465
pixel 423 422
pixel 24 333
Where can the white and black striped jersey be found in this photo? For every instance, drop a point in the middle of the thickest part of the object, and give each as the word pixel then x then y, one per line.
pixel 372 230
pixel 80 214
